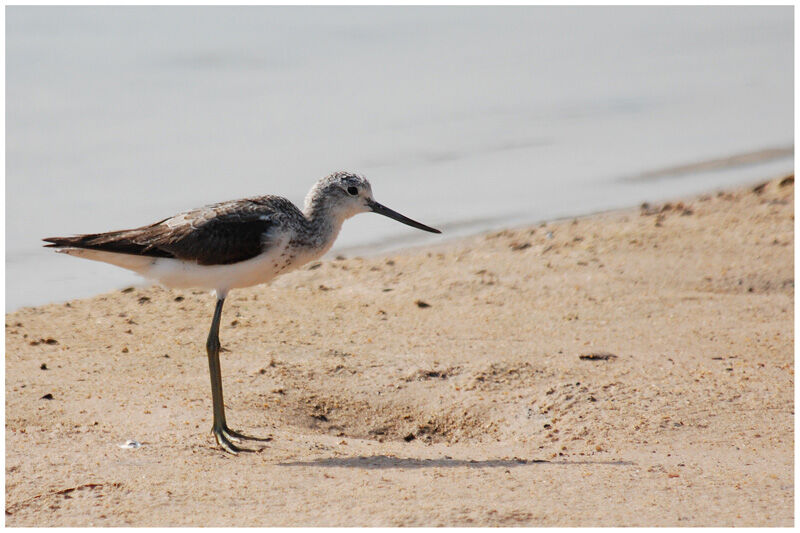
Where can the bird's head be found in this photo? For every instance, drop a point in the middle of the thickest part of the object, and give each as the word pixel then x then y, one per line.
pixel 345 194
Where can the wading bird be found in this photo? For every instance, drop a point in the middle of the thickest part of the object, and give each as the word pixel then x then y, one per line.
pixel 230 245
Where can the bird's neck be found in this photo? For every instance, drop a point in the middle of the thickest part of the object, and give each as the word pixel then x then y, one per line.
pixel 324 225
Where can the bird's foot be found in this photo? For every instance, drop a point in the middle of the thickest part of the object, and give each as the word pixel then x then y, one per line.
pixel 235 436
pixel 226 438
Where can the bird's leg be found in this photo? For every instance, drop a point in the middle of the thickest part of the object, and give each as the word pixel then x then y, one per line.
pixel 212 347
pixel 220 429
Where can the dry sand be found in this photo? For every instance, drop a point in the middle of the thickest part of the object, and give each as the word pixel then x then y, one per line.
pixel 443 386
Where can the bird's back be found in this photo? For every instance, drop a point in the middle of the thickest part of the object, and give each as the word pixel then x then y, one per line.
pixel 217 234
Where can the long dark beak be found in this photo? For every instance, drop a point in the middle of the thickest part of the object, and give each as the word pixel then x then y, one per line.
pixel 385 211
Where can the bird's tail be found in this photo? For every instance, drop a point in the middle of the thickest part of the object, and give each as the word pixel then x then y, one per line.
pixel 101 247
pixel 78 241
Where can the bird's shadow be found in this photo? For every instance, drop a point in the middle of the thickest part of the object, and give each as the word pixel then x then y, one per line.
pixel 376 462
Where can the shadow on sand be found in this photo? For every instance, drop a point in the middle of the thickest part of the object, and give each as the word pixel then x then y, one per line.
pixel 384 461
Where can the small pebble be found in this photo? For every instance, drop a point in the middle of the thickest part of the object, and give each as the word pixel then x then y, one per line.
pixel 597 356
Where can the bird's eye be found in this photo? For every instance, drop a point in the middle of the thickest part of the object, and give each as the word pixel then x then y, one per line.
pixel 352 190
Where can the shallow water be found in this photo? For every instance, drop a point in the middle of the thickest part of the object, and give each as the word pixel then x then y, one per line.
pixel 463 118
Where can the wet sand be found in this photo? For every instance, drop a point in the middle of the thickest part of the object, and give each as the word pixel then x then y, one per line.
pixel 627 368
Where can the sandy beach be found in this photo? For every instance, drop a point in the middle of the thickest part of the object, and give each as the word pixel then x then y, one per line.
pixel 632 368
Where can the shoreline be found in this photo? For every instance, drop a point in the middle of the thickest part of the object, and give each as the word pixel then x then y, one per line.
pixel 632 367
pixel 389 246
